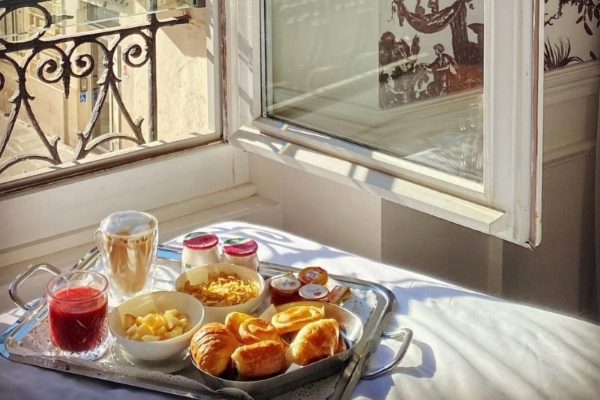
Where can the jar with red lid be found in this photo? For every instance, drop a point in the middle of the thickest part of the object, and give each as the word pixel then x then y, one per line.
pixel 241 251
pixel 199 248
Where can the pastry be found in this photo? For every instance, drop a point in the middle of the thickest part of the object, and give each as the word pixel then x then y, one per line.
pixel 233 321
pixel 254 330
pixel 317 340
pixel 294 318
pixel 342 346
pixel 259 360
pixel 211 348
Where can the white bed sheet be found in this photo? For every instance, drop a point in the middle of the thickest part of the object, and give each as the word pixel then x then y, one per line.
pixel 466 345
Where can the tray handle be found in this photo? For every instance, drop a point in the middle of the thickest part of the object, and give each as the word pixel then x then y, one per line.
pixel 13 288
pixel 408 334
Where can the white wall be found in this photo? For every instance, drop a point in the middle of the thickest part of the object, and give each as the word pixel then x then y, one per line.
pixel 316 208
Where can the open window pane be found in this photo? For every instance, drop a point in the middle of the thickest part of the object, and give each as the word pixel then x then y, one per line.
pixel 403 77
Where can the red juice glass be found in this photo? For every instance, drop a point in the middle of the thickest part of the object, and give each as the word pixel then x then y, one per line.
pixel 78 313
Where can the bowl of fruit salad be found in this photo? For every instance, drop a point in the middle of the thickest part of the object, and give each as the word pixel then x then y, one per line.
pixel 156 326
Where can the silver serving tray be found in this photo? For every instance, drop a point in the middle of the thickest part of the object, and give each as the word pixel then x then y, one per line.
pixel 20 344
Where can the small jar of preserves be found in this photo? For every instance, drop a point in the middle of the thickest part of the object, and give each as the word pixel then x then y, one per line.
pixel 241 251
pixel 313 291
pixel 315 275
pixel 286 285
pixel 199 248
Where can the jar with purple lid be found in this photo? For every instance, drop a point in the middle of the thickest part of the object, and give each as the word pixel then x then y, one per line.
pixel 241 251
pixel 199 248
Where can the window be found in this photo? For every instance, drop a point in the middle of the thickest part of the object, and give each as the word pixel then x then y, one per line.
pixel 432 104
pixel 90 85
pixel 187 177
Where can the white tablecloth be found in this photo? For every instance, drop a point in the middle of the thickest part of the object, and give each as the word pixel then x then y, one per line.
pixel 466 345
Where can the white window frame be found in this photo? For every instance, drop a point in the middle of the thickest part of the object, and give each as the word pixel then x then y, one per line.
pixel 508 202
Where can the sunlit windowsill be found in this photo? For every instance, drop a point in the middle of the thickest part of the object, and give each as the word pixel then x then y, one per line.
pixel 350 173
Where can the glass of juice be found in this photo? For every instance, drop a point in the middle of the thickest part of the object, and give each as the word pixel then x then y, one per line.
pixel 77 314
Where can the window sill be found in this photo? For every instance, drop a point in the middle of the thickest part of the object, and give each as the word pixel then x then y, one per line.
pixel 60 216
pixel 384 185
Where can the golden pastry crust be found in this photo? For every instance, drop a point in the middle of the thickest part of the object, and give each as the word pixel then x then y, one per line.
pixel 254 330
pixel 211 348
pixel 342 346
pixel 316 341
pixel 295 318
pixel 233 321
pixel 259 360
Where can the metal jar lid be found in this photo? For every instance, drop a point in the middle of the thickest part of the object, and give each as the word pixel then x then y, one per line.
pixel 240 247
pixel 313 291
pixel 285 285
pixel 200 240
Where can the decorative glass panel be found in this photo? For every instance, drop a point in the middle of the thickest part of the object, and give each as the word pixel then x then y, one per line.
pixel 403 77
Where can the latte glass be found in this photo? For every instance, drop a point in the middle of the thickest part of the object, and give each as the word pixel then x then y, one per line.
pixel 128 241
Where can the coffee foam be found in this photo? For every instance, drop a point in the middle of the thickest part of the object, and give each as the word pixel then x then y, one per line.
pixel 128 223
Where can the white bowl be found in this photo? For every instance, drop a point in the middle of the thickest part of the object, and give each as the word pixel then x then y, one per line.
pixel 199 275
pixel 160 302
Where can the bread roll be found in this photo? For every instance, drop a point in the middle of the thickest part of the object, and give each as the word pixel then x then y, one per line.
pixel 211 348
pixel 233 321
pixel 295 318
pixel 254 330
pixel 317 340
pixel 259 360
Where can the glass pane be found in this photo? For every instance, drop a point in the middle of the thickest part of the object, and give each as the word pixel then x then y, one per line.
pixel 66 13
pixel 96 94
pixel 404 77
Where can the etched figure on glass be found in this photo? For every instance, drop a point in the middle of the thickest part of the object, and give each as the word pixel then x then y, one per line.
pixel 452 28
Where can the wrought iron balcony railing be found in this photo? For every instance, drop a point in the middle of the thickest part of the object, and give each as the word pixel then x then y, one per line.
pixel 70 59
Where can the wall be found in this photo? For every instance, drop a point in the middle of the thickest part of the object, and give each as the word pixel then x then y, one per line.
pixel 328 212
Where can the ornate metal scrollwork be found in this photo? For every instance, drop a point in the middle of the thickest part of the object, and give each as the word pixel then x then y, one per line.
pixel 71 62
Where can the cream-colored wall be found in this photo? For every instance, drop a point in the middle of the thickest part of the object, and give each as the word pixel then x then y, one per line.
pixel 182 83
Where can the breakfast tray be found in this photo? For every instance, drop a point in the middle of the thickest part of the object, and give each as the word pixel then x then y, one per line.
pixel 27 342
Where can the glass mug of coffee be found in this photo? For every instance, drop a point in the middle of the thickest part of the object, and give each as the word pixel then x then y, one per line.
pixel 78 313
pixel 128 241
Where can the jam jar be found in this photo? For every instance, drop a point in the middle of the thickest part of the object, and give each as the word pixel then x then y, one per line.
pixel 199 248
pixel 286 285
pixel 241 251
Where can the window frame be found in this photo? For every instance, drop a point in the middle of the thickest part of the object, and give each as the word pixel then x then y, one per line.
pixel 73 170
pixel 506 205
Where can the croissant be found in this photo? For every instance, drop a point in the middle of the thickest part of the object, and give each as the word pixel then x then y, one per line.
pixel 233 321
pixel 254 330
pixel 317 340
pixel 341 346
pixel 294 318
pixel 211 348
pixel 259 360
